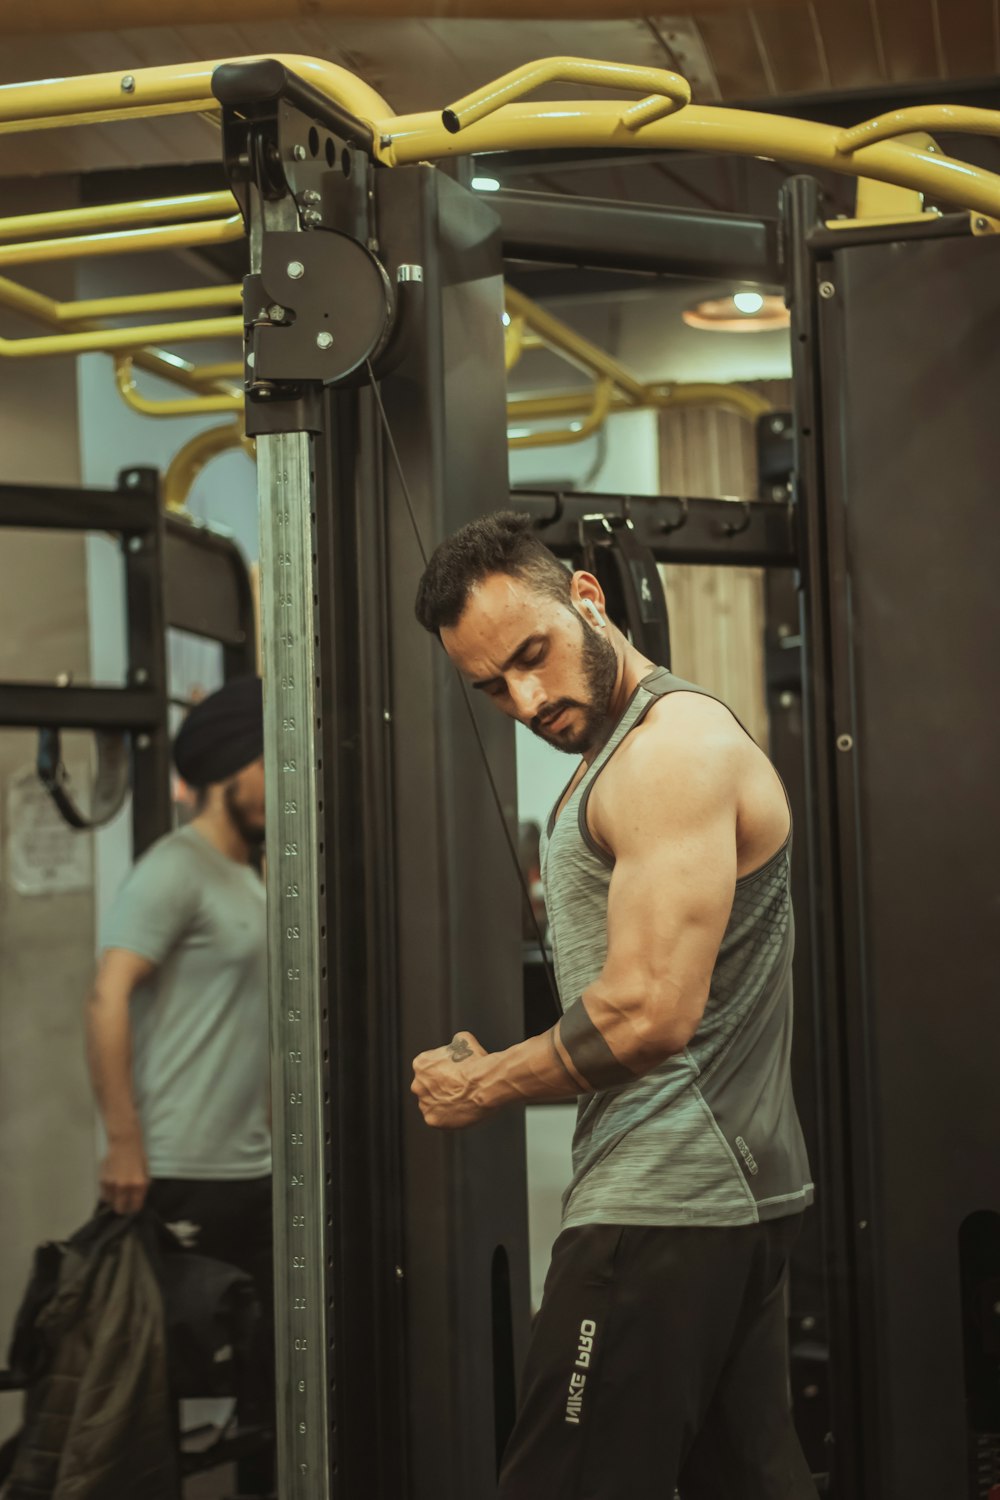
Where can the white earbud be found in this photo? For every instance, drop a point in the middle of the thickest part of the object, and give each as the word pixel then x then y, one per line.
pixel 593 611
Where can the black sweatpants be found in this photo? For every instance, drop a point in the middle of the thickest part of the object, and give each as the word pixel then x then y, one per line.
pixel 231 1221
pixel 659 1360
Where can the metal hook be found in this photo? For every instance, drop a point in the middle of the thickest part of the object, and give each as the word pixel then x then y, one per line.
pixel 730 528
pixel 668 526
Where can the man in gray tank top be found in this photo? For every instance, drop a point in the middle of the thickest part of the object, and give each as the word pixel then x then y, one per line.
pixel 659 1357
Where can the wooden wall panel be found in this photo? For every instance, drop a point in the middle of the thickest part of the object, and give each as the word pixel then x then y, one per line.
pixel 717 614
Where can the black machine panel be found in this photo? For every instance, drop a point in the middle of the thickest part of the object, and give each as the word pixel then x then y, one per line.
pixel 909 381
pixel 457 896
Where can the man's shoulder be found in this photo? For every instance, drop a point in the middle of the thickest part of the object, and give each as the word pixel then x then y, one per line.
pixel 177 851
pixel 683 730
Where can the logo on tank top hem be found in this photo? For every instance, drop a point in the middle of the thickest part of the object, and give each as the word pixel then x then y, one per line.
pixel 747 1156
pixel 578 1379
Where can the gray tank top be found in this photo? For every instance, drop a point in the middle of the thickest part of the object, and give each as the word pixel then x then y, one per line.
pixel 711 1137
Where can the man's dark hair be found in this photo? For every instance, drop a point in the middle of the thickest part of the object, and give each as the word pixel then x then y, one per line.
pixel 501 543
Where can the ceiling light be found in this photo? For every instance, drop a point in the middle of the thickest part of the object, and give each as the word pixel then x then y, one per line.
pixel 743 312
pixel 486 184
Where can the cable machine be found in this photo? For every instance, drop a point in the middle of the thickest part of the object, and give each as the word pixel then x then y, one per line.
pixel 374 384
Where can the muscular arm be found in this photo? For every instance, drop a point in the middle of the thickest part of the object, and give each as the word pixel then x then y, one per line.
pixel 109 1058
pixel 667 812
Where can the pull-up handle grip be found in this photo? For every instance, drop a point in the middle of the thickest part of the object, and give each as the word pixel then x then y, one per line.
pixel 666 92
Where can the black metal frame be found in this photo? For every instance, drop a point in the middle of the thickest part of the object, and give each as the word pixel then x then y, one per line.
pixel 676 529
pixel 169 564
pixel 601 234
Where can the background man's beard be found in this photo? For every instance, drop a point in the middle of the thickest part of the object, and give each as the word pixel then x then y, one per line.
pixel 252 834
pixel 600 670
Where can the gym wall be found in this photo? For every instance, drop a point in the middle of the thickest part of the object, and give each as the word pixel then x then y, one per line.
pixel 47 1141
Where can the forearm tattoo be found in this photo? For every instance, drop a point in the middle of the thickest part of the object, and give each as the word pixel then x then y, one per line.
pixel 589 1053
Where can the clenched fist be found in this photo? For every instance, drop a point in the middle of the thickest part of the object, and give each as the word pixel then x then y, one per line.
pixel 445 1083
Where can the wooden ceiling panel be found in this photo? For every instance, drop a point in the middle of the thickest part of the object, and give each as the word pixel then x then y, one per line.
pixel 738 60
pixel 852 43
pixel 970 35
pixel 911 39
pixel 794 47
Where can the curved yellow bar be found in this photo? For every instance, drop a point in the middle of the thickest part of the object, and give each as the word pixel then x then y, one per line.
pixel 105 340
pixel 151 302
pixel 661 397
pixel 179 406
pixel 669 90
pixel 108 215
pixel 713 128
pixel 572 345
pixel 513 342
pixel 956 118
pixel 558 437
pixel 179 88
pixel 166 237
pixel 188 462
pixel 168 366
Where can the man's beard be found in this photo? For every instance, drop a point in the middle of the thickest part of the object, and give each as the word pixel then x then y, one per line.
pixel 600 670
pixel 251 833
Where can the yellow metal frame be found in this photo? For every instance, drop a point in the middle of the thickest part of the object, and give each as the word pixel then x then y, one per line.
pixel 869 149
pixel 592 421
pixel 667 91
pixel 196 405
pixel 119 215
pixel 886 150
pixel 615 389
pixel 188 462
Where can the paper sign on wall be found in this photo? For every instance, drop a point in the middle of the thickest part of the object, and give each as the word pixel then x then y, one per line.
pixel 44 855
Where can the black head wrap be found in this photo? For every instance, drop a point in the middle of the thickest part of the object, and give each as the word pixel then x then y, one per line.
pixel 222 734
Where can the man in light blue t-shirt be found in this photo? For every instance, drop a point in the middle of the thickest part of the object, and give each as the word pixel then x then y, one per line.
pixel 177 1024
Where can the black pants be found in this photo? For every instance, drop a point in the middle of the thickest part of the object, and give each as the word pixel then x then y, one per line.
pixel 231 1221
pixel 659 1360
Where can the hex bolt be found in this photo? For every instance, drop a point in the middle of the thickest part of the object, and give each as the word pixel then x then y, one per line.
pixel 141 675
pixel 64 679
pixel 862 1223
pixel 827 289
pixel 312 216
pixel 387 716
pixel 777 424
pixel 296 270
pixel 299 152
pixel 132 479
pixel 845 742
pixel 128 84
pixel 310 196
pixel 135 544
pixel 399 1273
pixel 324 340
pixel 142 742
pixel 275 312
pixel 982 224
pixel 787 700
pixel 807 1325
pixel 779 492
